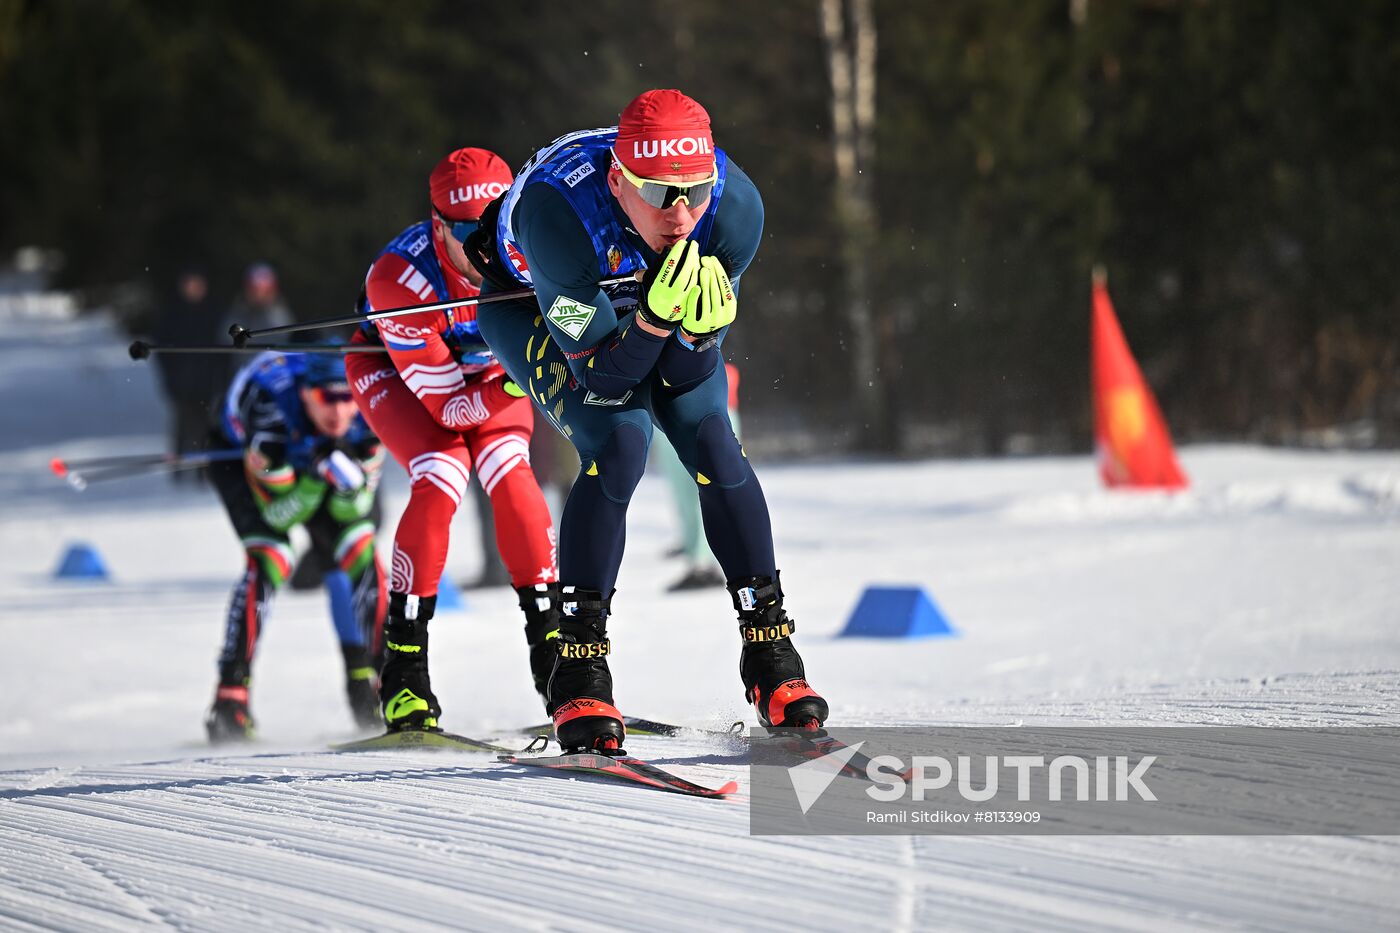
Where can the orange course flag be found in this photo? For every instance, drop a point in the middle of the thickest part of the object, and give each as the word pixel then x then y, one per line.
pixel 1130 435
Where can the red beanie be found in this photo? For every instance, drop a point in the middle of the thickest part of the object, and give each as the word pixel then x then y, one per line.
pixel 665 133
pixel 466 181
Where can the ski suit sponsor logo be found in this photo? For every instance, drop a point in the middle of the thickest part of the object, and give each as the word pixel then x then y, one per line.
pixel 475 192
pixel 578 174
pixel 593 398
pixel 614 258
pixel 572 317
pixel 379 396
pixel 404 336
pixel 581 354
pixel 685 145
pixel 364 382
pixel 418 245
pixel 404 330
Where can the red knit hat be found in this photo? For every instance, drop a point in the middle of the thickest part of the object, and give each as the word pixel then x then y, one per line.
pixel 665 133
pixel 466 181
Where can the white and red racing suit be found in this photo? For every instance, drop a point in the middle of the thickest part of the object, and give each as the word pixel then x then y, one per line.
pixel 438 402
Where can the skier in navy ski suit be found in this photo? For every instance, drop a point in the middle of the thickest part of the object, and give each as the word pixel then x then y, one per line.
pixel 604 362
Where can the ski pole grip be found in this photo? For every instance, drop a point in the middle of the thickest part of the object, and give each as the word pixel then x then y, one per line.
pixel 139 350
pixel 240 334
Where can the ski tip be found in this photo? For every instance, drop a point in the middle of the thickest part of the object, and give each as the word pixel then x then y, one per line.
pixel 356 745
pixel 419 740
pixel 708 793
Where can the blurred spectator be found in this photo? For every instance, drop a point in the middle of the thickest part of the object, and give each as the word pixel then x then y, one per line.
pixel 190 383
pixel 258 305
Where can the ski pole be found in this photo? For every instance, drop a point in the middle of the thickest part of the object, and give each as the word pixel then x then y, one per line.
pixel 79 473
pixel 140 349
pixel 61 466
pixel 81 481
pixel 241 335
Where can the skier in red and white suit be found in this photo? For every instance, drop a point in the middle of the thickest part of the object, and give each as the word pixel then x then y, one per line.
pixel 442 404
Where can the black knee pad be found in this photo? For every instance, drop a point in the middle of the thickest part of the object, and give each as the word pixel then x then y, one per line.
pixel 623 461
pixel 718 456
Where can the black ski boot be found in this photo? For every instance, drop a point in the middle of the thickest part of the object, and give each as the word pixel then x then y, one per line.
pixel 770 667
pixel 362 687
pixel 404 690
pixel 580 688
pixel 229 719
pixel 540 603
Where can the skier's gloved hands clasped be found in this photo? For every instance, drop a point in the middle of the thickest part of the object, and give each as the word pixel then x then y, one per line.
pixel 670 291
pixel 717 305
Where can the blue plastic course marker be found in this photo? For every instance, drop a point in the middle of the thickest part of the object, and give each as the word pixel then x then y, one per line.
pixel 81 562
pixel 449 598
pixel 896 612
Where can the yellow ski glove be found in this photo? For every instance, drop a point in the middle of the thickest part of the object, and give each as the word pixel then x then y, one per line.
pixel 669 289
pixel 717 305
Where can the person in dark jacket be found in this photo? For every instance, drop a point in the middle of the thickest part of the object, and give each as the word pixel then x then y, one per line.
pixel 190 384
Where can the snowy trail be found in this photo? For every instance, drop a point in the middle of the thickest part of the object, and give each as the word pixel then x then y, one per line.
pixel 1267 595
pixel 424 841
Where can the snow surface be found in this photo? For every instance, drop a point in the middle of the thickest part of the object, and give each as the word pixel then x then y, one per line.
pixel 1266 595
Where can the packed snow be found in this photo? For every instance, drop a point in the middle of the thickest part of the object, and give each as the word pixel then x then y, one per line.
pixel 1265 595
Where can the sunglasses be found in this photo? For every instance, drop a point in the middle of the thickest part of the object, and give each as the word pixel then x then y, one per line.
pixel 327 395
pixel 662 194
pixel 461 229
